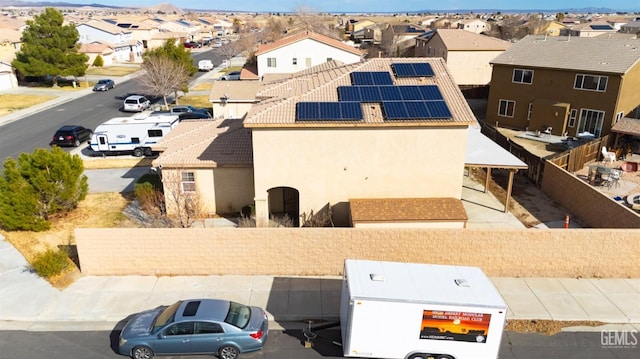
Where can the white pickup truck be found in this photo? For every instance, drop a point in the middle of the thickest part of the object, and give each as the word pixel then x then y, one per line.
pixel 205 65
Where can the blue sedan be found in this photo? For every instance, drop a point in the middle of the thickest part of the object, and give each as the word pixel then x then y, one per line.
pixel 195 326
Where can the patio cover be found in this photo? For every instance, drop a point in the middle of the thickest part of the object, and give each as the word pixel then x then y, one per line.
pixel 482 152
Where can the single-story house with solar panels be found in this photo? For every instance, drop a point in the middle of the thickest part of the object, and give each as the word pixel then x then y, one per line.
pixel 378 143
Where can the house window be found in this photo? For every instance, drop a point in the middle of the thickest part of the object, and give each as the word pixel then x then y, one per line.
pixel 308 62
pixel 506 108
pixel 271 62
pixel 529 111
pixel 590 82
pixel 329 59
pixel 188 182
pixel 295 60
pixel 591 121
pixel 572 118
pixel 522 76
pixel 619 115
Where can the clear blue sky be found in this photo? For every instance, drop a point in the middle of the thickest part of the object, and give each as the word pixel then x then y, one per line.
pixel 375 5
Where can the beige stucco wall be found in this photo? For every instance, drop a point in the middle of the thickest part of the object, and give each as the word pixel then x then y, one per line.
pixel 471 67
pixel 357 163
pixel 230 110
pixel 221 190
pixel 606 253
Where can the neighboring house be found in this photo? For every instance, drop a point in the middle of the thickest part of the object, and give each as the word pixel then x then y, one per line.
pixel 476 26
pixel 8 79
pixel 301 51
pixel 468 55
pixel 553 28
pixel 126 49
pixel 140 31
pixel 192 29
pixel 371 34
pixel 572 84
pixel 233 99
pixel 94 49
pixel 291 158
pixel 356 25
pixel 10 41
pixel 589 29
pixel 160 38
pixel 632 27
pixel 404 36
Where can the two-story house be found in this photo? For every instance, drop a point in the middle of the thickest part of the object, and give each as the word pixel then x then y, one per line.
pixel 477 26
pixel 467 54
pixel 126 49
pixel 574 85
pixel 303 50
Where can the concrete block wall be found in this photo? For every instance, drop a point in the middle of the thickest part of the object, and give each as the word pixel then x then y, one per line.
pixel 590 205
pixel 599 253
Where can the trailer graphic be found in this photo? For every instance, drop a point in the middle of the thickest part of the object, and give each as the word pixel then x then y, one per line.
pixel 456 326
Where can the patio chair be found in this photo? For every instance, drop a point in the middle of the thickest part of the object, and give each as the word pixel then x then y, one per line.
pixel 547 131
pixel 608 156
pixel 613 178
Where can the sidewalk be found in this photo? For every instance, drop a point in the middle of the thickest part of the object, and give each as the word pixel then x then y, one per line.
pixel 102 303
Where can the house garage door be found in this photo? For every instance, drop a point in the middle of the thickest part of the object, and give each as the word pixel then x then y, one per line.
pixel 5 81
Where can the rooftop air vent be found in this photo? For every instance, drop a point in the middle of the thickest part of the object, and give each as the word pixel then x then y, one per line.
pixel 461 282
pixel 376 277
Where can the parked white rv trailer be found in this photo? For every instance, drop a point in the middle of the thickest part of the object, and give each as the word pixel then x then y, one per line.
pixel 135 134
pixel 418 311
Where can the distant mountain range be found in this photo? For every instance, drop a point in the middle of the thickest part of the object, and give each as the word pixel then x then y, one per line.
pixel 593 10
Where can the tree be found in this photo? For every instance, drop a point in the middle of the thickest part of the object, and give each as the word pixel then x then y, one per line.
pixel 169 57
pixel 164 77
pixel 559 17
pixel 50 48
pixel 98 62
pixel 39 185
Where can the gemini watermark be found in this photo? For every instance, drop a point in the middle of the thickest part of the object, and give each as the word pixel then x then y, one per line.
pixel 619 339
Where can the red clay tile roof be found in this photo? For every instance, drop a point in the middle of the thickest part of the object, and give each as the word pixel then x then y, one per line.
pixel 406 210
pixel 262 49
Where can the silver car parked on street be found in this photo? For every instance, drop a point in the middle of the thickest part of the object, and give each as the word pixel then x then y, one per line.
pixel 195 326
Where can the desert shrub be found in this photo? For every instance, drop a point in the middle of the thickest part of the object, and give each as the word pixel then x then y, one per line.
pixel 98 62
pixel 148 192
pixel 50 263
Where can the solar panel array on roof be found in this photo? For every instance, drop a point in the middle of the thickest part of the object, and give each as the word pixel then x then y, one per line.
pixel 328 111
pixel 110 21
pixel 418 69
pixel 124 25
pixel 183 22
pixel 371 78
pixel 418 110
pixel 600 27
pixel 389 93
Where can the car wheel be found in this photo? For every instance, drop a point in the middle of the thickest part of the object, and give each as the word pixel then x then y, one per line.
pixel 228 352
pixel 138 152
pixel 76 143
pixel 142 352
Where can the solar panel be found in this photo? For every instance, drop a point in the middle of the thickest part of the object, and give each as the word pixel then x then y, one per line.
pixel 416 110
pixel 329 111
pixel 430 92
pixel 370 94
pixel 395 110
pixel 390 93
pixel 360 78
pixel 600 27
pixel 411 93
pixel 307 111
pixel 438 109
pixel 381 78
pixel 351 110
pixel 349 93
pixel 421 69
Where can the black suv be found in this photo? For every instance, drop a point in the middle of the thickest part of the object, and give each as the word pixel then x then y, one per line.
pixel 71 136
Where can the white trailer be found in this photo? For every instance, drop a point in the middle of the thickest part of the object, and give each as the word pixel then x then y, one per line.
pixel 419 311
pixel 135 134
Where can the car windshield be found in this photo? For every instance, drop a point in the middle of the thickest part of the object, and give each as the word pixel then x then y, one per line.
pixel 239 315
pixel 166 316
pixel 103 82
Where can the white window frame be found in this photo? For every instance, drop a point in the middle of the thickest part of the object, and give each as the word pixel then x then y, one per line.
pixel 591 120
pixel 506 111
pixel 520 76
pixel 600 81
pixel 619 115
pixel 573 115
pixel 188 182
pixel 295 61
pixel 271 62
pixel 529 111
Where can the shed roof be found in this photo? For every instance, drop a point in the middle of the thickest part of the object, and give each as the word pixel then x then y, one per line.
pixel 406 210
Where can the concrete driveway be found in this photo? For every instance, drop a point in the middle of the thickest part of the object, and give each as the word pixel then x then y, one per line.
pixel 114 179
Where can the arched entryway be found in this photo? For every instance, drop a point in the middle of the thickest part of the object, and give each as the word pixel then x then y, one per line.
pixel 284 202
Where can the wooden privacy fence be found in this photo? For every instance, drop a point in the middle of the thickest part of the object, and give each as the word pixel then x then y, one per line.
pixel 571 160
